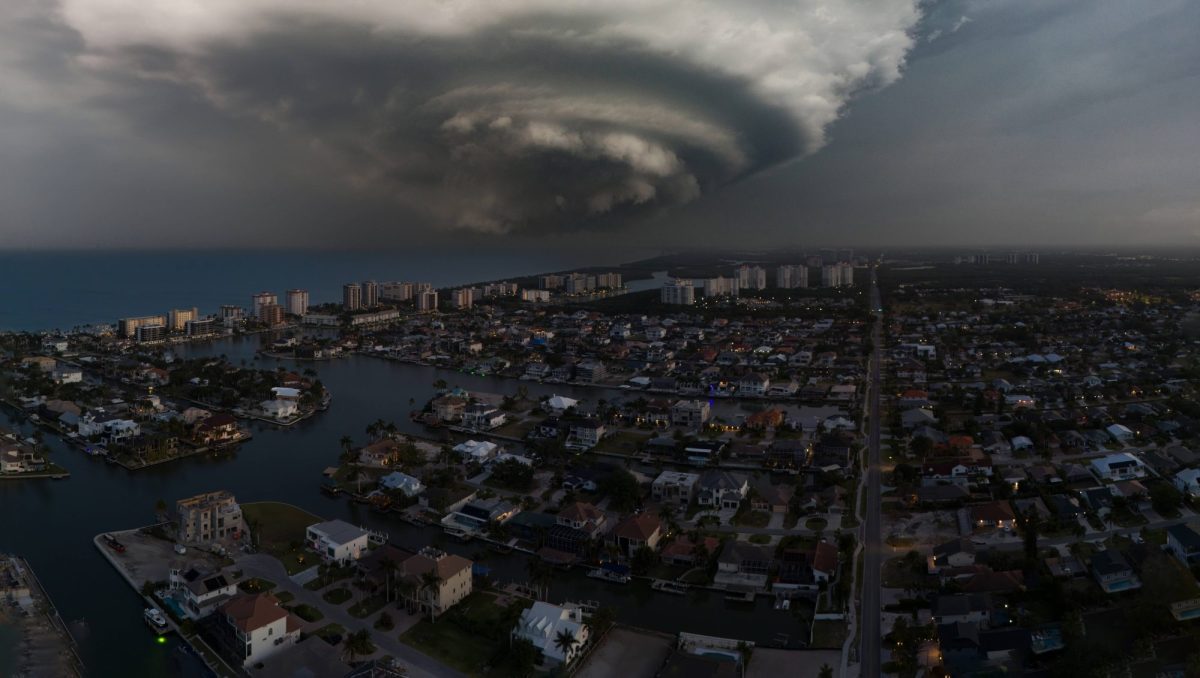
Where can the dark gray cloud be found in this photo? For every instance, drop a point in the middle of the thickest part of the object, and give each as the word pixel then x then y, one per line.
pixel 616 124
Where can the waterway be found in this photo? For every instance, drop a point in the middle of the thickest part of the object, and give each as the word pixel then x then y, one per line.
pixel 51 523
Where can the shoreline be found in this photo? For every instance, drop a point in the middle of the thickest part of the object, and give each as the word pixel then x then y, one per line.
pixel 45 646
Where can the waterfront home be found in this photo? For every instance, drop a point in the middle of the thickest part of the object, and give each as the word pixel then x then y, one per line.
pixel 402 482
pixel 477 514
pixel 202 592
pixel 584 434
pixel 582 516
pixel 449 408
pixel 542 625
pixel 279 409
pixel 683 551
pixel 439 580
pixel 634 532
pixel 1119 466
pixel 477 450
pixel 690 413
pixel 209 517
pixel 673 487
pixel 558 405
pixel 482 417
pixel 742 564
pixel 216 428
pixel 721 489
pixel 1183 541
pixel 337 541
pixel 1113 572
pixel 255 627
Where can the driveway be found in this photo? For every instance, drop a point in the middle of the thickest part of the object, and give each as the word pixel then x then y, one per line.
pixel 419 665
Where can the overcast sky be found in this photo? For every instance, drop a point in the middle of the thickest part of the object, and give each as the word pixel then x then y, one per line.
pixel 615 124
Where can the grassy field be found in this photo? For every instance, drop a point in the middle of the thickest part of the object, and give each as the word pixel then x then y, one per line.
pixel 828 634
pixel 457 638
pixel 279 530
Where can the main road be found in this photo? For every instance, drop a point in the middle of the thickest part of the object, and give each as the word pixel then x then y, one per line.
pixel 870 634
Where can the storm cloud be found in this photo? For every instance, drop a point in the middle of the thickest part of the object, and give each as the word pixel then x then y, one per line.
pixel 514 115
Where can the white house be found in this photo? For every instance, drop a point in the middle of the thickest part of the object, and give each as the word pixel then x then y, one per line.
pixel 1120 433
pixel 1188 482
pixel 337 541
pixel 1119 466
pixel 203 592
pixel 260 627
pixel 542 624
pixel 476 450
pixel 280 409
pixel 558 404
pixel 407 484
pixel 482 417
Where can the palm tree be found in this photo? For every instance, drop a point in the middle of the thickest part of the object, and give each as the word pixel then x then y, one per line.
pixel 347 446
pixel 359 644
pixel 565 641
pixel 431 581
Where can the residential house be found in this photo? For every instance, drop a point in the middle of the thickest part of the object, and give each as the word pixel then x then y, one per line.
pixel 722 490
pixel 636 531
pixel 1183 541
pixel 543 623
pixel 402 482
pixel 337 541
pixel 255 627
pixel 482 417
pixel 996 515
pixel 209 517
pixel 1113 572
pixel 203 592
pixel 673 487
pixel 439 580
pixel 691 414
pixel 1119 466
pixel 955 553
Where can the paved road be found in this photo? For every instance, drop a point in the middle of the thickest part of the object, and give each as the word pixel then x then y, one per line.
pixel 872 544
pixel 419 665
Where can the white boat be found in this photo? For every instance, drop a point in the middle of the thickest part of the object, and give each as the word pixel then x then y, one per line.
pixel 608 575
pixel 155 619
pixel 669 586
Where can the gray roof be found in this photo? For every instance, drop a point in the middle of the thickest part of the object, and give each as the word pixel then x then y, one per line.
pixel 339 531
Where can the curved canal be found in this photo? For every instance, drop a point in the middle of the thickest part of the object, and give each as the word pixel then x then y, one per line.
pixel 52 523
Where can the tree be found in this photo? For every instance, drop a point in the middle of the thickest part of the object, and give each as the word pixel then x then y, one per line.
pixel 431 582
pixel 826 671
pixel 623 490
pixel 643 559
pixel 565 641
pixel 358 644
pixel 347 449
pixel 1165 498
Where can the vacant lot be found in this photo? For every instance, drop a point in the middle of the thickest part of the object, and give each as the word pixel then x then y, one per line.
pixel 279 530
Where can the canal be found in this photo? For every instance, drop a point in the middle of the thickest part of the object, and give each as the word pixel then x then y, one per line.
pixel 52 523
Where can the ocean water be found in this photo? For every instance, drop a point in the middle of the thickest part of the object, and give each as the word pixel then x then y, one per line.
pixel 63 289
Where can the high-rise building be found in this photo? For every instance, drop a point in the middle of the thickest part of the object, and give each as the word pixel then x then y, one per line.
pixel 550 282
pixel 271 315
pixel 259 300
pixel 720 287
pixel 128 327
pixel 609 280
pixel 179 318
pixel 201 328
pixel 427 300
pixel 837 275
pixel 845 256
pixel 463 298
pixel 752 277
pixel 352 297
pixel 370 294
pixel 792 276
pixel 501 289
pixel 395 291
pixel 535 295
pixel 147 333
pixel 579 283
pixel 678 291
pixel 297 302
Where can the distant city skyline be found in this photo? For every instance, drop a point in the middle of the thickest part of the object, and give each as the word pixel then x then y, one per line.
pixel 600 126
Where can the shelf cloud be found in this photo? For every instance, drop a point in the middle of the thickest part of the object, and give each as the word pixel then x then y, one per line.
pixel 512 115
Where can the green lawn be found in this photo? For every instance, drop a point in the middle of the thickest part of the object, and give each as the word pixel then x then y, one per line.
pixel 256 585
pixel 308 613
pixel 279 530
pixel 285 597
pixel 816 523
pixel 752 518
pixel 467 636
pixel 367 606
pixel 624 442
pixel 828 634
pixel 330 630
pixel 337 596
